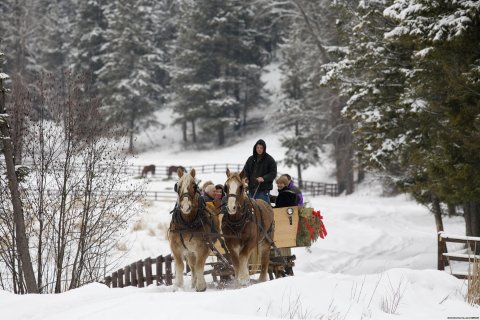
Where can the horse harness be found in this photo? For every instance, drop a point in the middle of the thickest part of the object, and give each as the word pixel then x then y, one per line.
pixel 248 215
pixel 179 225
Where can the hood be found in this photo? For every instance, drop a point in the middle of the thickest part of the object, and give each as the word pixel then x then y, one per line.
pixel 264 147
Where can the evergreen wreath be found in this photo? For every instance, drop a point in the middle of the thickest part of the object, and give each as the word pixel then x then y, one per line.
pixel 310 227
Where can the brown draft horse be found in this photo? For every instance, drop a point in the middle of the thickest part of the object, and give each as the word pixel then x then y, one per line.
pixel 246 224
pixel 147 169
pixel 190 223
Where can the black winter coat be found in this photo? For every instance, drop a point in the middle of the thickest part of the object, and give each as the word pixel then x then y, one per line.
pixel 286 198
pixel 264 166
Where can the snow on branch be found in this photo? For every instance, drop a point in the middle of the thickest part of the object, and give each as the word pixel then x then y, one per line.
pixel 420 20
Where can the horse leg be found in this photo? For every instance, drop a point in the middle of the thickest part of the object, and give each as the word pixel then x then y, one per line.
pixel 200 284
pixel 234 253
pixel 178 269
pixel 192 264
pixel 264 260
pixel 243 274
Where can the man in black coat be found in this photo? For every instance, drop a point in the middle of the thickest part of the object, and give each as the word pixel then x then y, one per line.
pixel 260 170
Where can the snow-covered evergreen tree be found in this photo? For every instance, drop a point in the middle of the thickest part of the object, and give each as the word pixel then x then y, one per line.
pixel 315 38
pixel 217 75
pixel 57 23
pixel 20 28
pixel 89 38
pixel 443 89
pixel 297 118
pixel 131 60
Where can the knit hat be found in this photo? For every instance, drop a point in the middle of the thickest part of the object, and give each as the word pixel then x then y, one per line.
pixel 283 180
pixel 209 188
pixel 206 184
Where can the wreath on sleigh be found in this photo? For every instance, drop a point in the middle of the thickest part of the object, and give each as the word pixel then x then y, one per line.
pixel 310 227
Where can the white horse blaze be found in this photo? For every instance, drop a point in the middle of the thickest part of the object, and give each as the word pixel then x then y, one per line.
pixel 185 204
pixel 232 189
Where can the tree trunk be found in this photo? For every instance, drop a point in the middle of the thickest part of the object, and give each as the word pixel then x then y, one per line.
pixel 472 222
pixel 299 174
pixel 184 131
pixel 442 247
pixel 18 114
pixel 221 135
pixel 360 175
pixel 131 132
pixel 245 107
pixel 194 132
pixel 343 149
pixel 344 164
pixel 452 210
pixel 20 231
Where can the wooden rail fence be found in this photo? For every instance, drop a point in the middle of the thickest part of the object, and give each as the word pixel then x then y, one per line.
pixel 444 258
pixel 142 273
pixel 309 188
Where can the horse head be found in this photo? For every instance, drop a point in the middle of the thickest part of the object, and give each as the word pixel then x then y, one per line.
pixel 235 189
pixel 187 190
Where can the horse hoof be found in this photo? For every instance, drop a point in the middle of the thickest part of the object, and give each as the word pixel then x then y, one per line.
pixel 244 282
pixel 203 289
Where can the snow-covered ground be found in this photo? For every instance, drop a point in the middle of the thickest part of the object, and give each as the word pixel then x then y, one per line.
pixel 377 262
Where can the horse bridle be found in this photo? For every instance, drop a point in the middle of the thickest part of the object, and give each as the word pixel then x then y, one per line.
pixel 233 195
pixel 186 194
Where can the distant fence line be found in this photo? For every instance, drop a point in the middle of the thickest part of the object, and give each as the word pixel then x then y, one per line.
pixel 308 188
pixel 162 196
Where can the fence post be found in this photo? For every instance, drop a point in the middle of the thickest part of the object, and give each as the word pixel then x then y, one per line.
pixel 133 268
pixel 141 278
pixel 159 270
pixel 115 279
pixel 108 281
pixel 120 278
pixel 148 271
pixel 440 247
pixel 168 270
pixel 127 276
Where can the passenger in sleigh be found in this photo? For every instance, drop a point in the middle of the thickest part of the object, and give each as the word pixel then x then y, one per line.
pixel 209 193
pixel 286 196
pixel 291 185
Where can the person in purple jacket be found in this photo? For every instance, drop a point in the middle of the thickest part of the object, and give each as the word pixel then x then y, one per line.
pixel 294 188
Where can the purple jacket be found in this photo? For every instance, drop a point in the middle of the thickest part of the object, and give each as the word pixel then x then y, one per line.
pixel 297 191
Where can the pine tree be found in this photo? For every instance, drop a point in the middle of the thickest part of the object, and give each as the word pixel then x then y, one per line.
pixel 127 80
pixel 445 37
pixel 314 34
pixel 56 22
pixel 412 89
pixel 89 38
pixel 296 113
pixel 217 75
pixel 21 30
